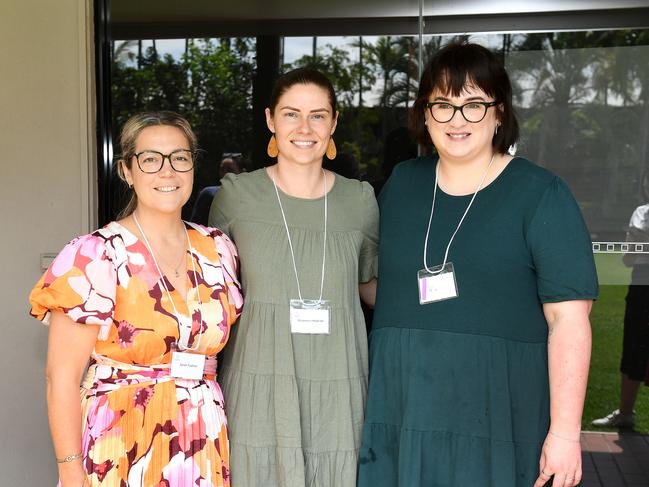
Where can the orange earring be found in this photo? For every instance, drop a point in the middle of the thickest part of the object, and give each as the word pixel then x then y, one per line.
pixel 331 150
pixel 272 149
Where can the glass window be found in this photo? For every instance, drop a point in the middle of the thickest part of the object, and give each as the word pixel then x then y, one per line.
pixel 582 98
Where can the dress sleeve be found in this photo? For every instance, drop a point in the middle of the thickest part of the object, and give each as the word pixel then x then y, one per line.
pixel 81 282
pixel 369 254
pixel 561 247
pixel 225 204
pixel 230 265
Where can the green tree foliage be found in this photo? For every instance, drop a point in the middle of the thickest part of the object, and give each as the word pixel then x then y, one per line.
pixel 581 98
pixel 356 133
pixel 579 94
pixel 211 85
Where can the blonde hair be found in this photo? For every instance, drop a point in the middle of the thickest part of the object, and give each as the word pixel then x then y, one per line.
pixel 128 138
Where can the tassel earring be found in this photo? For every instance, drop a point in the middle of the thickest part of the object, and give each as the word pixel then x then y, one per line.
pixel 272 149
pixel 331 150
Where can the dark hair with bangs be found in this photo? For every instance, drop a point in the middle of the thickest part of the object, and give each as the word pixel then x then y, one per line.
pixel 456 66
pixel 304 76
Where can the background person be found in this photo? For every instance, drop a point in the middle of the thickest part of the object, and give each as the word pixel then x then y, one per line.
pixel 481 340
pixel 295 373
pixel 634 366
pixel 149 300
pixel 200 213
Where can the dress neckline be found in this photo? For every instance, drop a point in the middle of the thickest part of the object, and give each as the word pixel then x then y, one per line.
pixel 172 289
pixel 484 189
pixel 296 198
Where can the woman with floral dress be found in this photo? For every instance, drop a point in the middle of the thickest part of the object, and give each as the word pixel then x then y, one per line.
pixel 148 300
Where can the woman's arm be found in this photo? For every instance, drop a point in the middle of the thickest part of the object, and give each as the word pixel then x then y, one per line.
pixel 634 235
pixel 368 292
pixel 569 344
pixel 69 347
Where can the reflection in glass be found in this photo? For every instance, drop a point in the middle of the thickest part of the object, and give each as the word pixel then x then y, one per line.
pixel 582 97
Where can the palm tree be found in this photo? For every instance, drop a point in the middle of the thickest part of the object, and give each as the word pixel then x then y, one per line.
pixel 122 51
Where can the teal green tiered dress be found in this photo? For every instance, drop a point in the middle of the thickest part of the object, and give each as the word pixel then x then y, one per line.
pixel 458 392
pixel 295 403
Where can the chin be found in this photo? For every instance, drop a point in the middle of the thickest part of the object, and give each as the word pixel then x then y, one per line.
pixel 310 159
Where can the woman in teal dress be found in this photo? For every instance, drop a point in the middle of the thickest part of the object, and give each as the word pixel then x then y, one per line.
pixel 480 344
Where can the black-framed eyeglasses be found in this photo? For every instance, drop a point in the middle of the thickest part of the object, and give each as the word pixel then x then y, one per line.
pixel 473 111
pixel 151 161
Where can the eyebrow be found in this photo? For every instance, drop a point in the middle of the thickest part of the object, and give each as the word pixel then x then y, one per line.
pixel 470 99
pixel 288 107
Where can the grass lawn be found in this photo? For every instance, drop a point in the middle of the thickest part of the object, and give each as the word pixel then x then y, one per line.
pixel 604 382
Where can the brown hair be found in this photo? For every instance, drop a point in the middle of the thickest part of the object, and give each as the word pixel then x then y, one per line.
pixel 128 138
pixel 303 76
pixel 450 70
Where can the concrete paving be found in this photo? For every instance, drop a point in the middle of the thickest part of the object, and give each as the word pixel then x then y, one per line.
pixel 615 459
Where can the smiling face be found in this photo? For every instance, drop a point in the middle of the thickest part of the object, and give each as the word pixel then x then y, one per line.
pixel 167 190
pixel 457 139
pixel 303 122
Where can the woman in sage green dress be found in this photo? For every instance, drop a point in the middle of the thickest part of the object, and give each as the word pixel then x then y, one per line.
pixel 295 375
pixel 480 343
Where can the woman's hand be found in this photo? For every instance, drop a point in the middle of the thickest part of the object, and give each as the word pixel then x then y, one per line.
pixel 561 458
pixel 367 291
pixel 72 474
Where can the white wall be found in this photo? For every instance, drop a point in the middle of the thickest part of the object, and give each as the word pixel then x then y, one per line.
pixel 47 196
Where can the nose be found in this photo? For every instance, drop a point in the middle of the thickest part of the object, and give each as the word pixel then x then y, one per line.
pixel 305 126
pixel 167 169
pixel 458 116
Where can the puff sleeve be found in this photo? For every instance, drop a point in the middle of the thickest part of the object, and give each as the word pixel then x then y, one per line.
pixel 561 247
pixel 368 258
pixel 81 282
pixel 230 265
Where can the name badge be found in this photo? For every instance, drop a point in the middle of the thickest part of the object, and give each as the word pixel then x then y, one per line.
pixel 186 365
pixel 309 317
pixel 437 285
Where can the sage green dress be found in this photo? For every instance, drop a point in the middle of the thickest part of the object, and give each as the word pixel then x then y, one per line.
pixel 295 403
pixel 459 392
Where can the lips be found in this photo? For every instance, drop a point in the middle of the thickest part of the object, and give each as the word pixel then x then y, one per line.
pixel 458 135
pixel 305 144
pixel 167 189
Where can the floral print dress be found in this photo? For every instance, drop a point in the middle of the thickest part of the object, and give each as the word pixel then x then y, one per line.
pixel 141 426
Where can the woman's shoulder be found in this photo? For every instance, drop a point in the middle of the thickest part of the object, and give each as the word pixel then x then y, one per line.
pixel 530 173
pixel 353 188
pixel 240 187
pixel 213 244
pixel 106 237
pixel 205 231
pixel 244 179
pixel 419 167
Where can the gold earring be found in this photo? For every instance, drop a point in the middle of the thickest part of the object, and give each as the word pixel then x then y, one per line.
pixel 331 149
pixel 272 149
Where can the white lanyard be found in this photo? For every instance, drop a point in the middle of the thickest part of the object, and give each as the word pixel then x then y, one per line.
pixel 164 284
pixel 432 209
pixel 290 244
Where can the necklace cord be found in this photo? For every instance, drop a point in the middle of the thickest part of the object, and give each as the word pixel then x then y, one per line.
pixel 164 284
pixel 432 209
pixel 290 244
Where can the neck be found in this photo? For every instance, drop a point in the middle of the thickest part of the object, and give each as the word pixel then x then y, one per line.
pixel 160 227
pixel 301 181
pixel 462 177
